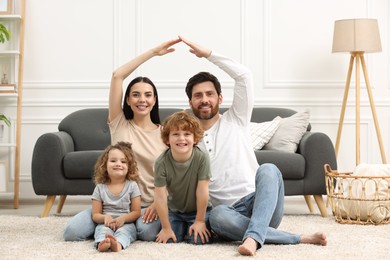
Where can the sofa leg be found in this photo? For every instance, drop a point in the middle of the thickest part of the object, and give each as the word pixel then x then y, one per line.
pixel 309 203
pixel 61 203
pixel 48 204
pixel 321 205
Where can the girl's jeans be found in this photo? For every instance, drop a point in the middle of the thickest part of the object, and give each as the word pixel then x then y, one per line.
pixel 81 227
pixel 125 235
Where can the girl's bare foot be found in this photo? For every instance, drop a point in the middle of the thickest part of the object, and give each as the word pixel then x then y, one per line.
pixel 318 238
pixel 248 248
pixel 115 246
pixel 104 245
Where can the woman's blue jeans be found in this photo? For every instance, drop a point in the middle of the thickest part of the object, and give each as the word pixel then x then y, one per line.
pixel 81 227
pixel 256 215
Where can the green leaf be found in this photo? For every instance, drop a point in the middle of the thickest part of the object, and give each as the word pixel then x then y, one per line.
pixel 4 33
pixel 5 120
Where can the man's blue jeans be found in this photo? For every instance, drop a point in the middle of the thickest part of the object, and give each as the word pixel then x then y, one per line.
pixel 256 215
pixel 81 227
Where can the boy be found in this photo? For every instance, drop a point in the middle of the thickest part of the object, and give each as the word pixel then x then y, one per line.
pixel 182 175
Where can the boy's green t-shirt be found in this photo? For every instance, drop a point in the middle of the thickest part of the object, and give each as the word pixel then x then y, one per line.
pixel 181 179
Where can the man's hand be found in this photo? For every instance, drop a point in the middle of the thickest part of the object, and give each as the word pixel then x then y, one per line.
pixel 196 49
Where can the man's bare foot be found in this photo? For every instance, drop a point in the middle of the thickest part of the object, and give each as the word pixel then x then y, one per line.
pixel 318 238
pixel 248 248
pixel 104 245
pixel 115 246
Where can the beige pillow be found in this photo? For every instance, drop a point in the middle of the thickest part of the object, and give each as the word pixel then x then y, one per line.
pixel 261 133
pixel 289 133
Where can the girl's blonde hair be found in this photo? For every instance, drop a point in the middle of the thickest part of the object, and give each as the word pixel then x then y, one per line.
pixel 184 121
pixel 101 173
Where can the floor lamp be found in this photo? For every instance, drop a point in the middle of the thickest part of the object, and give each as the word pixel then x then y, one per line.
pixel 357 36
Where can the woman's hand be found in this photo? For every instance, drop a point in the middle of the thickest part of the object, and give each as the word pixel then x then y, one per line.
pixel 165 47
pixel 196 49
pixel 150 214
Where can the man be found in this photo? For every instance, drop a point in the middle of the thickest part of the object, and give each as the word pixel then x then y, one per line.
pixel 248 200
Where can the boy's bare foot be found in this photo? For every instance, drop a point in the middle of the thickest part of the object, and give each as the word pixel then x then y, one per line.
pixel 318 238
pixel 115 246
pixel 248 248
pixel 104 245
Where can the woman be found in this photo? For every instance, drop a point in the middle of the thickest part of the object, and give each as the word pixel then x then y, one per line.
pixel 137 122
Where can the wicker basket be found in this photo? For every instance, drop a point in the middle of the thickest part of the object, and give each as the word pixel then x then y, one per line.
pixel 358 199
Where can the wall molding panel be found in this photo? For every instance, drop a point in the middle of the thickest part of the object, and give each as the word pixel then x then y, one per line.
pixel 286 44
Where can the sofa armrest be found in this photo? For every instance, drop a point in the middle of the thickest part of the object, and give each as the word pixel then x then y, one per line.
pixel 47 162
pixel 318 149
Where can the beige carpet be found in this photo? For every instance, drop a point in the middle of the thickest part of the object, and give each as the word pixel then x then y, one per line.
pixel 41 238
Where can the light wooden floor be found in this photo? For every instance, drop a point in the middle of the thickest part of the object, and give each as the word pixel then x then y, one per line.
pixel 293 205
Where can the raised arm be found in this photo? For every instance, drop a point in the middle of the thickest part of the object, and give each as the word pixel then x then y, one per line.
pixel 121 73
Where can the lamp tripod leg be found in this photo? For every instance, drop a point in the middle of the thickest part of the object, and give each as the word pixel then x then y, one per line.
pixel 344 105
pixel 357 107
pixel 373 110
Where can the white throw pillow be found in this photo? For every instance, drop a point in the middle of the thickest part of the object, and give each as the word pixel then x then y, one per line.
pixel 289 133
pixel 261 133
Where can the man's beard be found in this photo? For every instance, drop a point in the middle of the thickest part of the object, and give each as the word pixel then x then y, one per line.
pixel 203 116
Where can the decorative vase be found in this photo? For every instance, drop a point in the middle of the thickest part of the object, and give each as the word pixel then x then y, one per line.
pixel 4 79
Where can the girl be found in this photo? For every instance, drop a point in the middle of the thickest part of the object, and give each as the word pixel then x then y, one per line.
pixel 116 200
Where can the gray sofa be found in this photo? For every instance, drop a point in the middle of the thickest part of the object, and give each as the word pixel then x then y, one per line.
pixel 63 161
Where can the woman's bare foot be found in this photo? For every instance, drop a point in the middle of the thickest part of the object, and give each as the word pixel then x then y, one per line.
pixel 318 238
pixel 115 246
pixel 104 245
pixel 248 248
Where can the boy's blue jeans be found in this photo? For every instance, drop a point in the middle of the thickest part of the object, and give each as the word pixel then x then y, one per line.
pixel 181 222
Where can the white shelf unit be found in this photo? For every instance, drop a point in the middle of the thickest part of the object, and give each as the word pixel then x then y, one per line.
pixel 11 64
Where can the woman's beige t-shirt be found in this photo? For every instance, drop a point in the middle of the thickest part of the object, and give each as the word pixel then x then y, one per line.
pixel 147 146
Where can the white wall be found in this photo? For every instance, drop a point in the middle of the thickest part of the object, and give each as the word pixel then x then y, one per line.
pixel 72 46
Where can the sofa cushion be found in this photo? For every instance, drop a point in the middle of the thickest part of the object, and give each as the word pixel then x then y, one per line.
pixel 261 133
pixel 291 165
pixel 289 133
pixel 80 165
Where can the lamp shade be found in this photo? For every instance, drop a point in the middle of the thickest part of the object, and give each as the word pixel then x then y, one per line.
pixel 353 35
